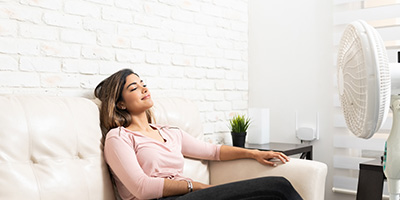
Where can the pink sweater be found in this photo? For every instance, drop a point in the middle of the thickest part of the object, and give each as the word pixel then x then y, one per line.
pixel 139 164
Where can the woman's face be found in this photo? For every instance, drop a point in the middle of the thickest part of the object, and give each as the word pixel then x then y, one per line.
pixel 136 96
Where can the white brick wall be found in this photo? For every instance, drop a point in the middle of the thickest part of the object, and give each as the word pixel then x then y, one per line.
pixel 195 49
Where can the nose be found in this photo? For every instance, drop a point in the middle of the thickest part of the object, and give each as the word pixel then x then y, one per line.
pixel 144 89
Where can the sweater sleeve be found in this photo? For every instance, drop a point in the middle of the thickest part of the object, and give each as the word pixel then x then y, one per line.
pixel 194 148
pixel 123 162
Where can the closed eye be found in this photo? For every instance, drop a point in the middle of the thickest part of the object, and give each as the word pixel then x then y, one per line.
pixel 134 83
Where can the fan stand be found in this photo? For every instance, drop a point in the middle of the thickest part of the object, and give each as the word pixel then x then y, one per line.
pixel 391 161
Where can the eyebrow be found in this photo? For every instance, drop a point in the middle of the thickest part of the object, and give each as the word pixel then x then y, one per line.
pixel 134 83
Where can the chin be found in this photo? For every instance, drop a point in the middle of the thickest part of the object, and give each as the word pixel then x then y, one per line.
pixel 151 103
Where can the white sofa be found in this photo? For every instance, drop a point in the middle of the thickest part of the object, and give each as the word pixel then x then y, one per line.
pixel 50 148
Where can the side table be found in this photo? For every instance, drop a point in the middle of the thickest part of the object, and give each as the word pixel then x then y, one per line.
pixel 288 149
pixel 370 180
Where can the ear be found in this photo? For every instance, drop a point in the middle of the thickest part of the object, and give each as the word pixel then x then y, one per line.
pixel 121 105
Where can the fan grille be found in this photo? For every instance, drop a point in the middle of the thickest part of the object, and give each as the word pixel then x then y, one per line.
pixel 353 95
pixel 384 77
pixel 364 79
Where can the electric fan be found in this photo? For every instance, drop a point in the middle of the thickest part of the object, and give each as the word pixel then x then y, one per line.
pixel 367 88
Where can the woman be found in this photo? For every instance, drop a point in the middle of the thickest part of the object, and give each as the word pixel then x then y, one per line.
pixel 146 160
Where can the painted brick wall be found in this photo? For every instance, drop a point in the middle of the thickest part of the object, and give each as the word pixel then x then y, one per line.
pixel 195 49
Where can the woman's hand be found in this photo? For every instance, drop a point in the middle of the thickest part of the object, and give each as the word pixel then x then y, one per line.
pixel 265 157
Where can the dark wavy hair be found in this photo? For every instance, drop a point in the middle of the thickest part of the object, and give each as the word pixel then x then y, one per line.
pixel 109 92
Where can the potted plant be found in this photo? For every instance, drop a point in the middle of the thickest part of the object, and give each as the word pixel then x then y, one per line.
pixel 239 125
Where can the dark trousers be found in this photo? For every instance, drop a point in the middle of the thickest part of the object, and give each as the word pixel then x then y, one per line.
pixel 270 188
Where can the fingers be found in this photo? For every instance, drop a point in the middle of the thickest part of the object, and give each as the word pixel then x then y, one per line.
pixel 271 157
pixel 278 155
pixel 284 158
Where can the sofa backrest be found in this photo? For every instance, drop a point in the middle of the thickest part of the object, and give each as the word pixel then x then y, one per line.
pixel 50 148
pixel 184 114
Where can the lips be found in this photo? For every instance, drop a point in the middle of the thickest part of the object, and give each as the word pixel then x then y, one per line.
pixel 146 97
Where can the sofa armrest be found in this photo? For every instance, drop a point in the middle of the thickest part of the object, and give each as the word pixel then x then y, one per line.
pixel 307 177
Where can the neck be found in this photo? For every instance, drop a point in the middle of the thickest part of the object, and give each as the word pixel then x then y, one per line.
pixel 139 123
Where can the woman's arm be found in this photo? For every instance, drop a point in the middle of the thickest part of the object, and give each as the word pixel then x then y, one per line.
pixel 173 187
pixel 194 148
pixel 263 157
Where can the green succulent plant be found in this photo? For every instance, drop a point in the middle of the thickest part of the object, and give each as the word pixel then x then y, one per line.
pixel 239 123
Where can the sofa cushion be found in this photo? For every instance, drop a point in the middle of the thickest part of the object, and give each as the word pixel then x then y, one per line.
pixel 50 148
